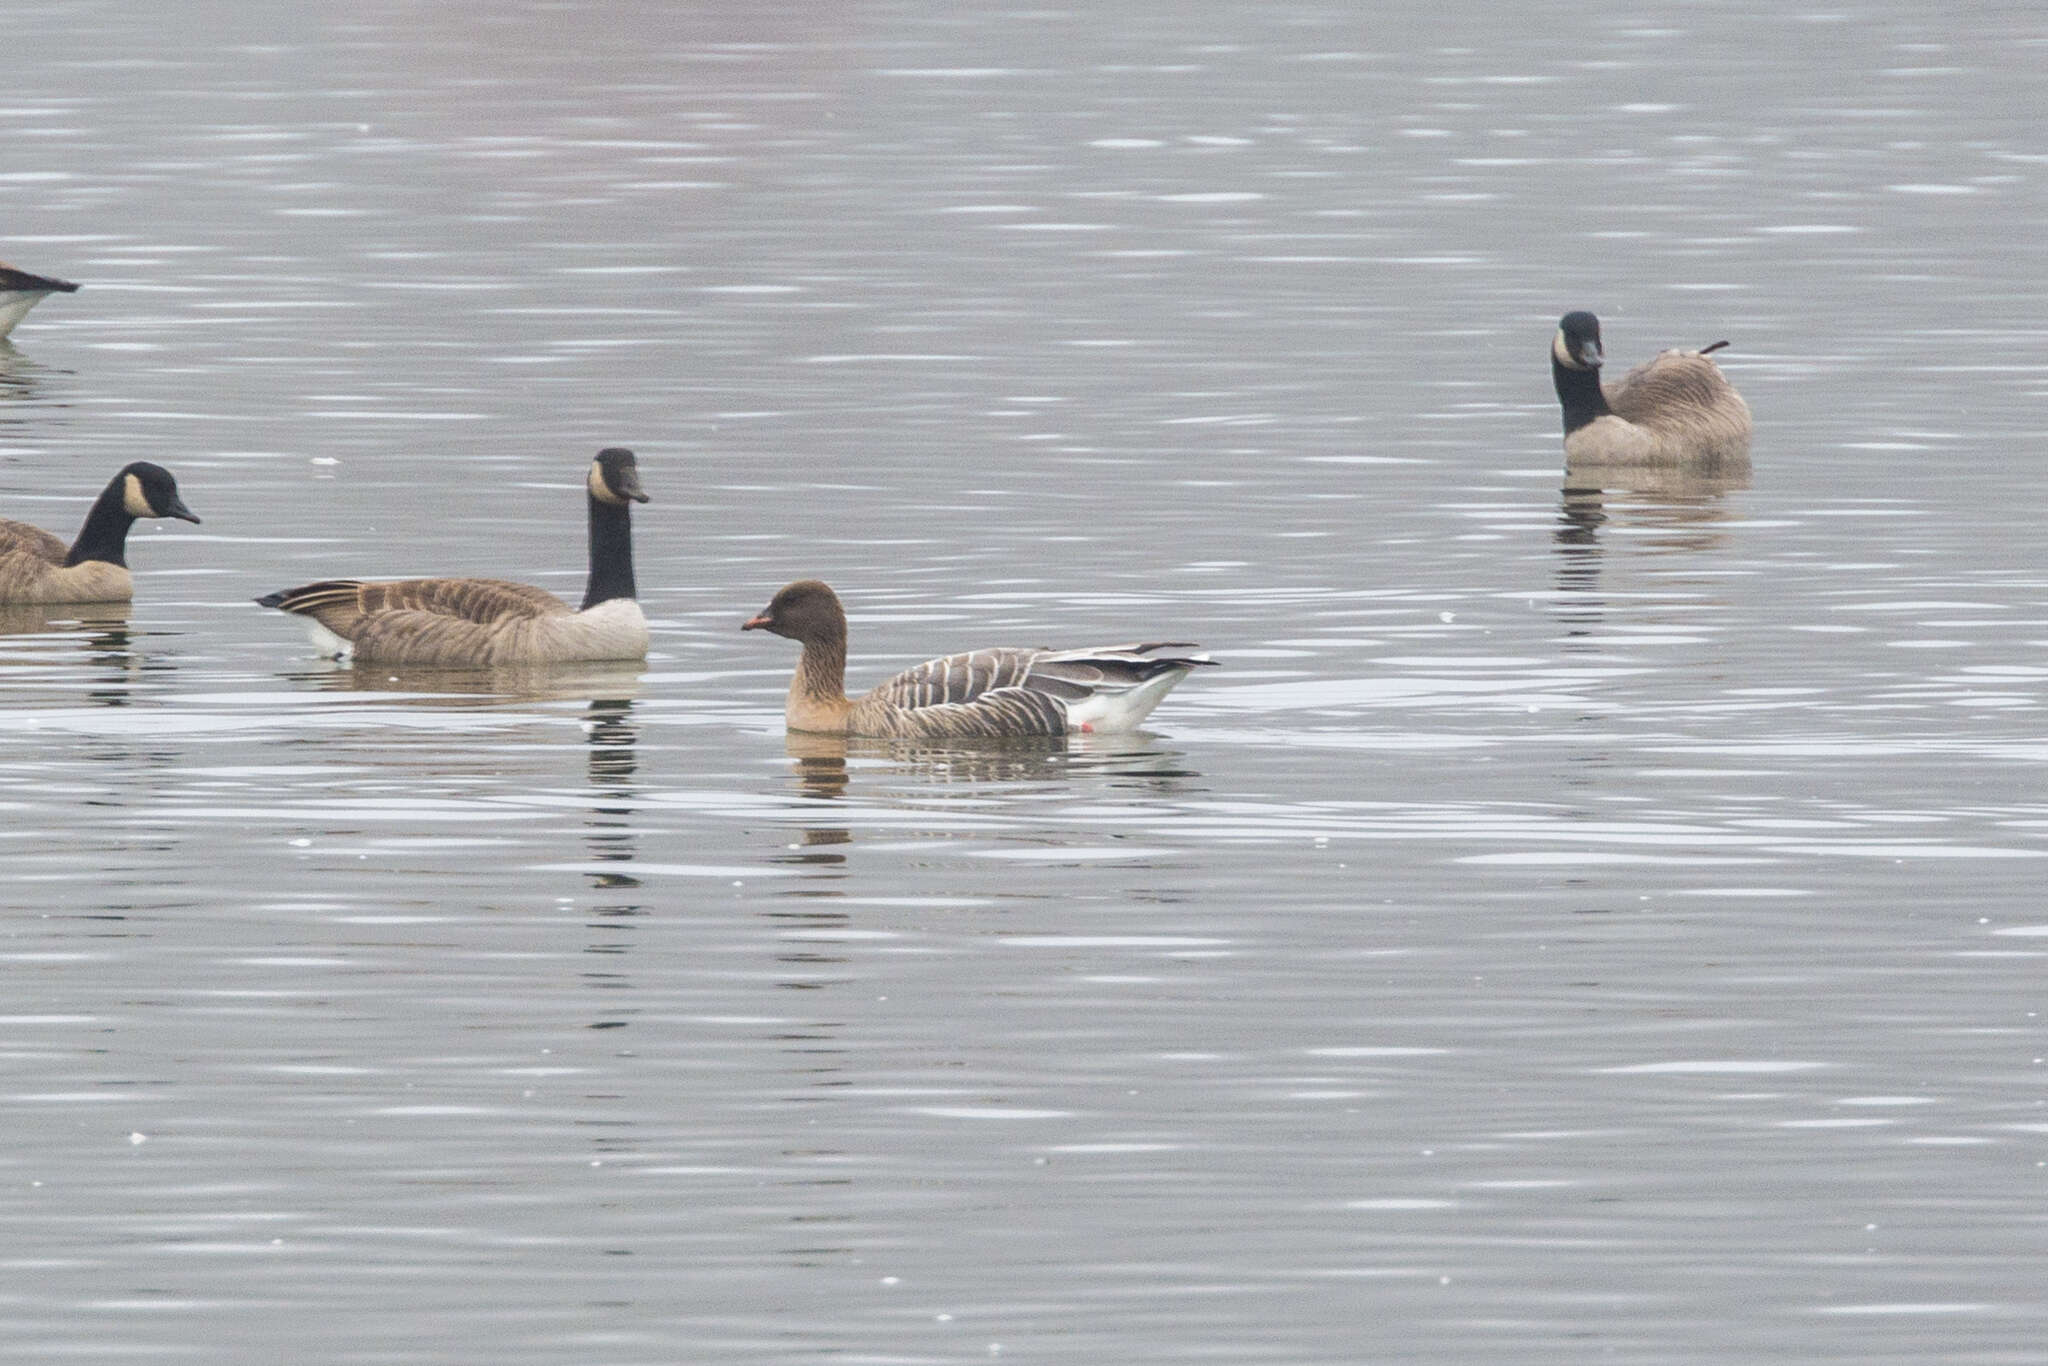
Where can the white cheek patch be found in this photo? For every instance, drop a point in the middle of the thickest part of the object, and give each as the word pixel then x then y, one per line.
pixel 132 499
pixel 1563 352
pixel 599 489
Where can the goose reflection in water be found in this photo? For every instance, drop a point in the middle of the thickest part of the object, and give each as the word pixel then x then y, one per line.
pixel 1662 511
pixel 22 380
pixel 37 639
pixel 613 839
pixel 825 764
pixel 1654 498
pixel 104 624
pixel 882 780
pixel 821 776
pixel 486 687
pixel 608 728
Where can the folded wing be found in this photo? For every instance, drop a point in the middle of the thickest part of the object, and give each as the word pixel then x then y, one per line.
pixel 956 679
pixel 1074 674
pixel 423 622
pixel 986 694
pixel 1672 385
pixel 19 538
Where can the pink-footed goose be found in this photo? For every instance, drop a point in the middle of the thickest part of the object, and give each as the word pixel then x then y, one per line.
pixel 36 567
pixel 1674 410
pixel 489 623
pixel 982 695
pixel 20 291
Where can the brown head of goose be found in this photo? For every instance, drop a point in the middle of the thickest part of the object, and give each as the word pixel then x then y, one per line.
pixel 20 290
pixel 36 567
pixel 488 623
pixel 1674 410
pixel 982 695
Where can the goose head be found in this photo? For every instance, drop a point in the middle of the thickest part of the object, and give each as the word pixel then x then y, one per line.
pixel 615 477
pixel 805 611
pixel 149 491
pixel 1577 344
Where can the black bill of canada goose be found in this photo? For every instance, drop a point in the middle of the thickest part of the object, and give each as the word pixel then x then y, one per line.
pixel 488 623
pixel 20 291
pixel 982 695
pixel 36 567
pixel 1675 409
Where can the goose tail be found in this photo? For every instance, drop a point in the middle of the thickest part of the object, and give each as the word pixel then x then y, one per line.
pixel 1115 687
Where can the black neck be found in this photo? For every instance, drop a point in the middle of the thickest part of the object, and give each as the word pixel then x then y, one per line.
pixel 1579 391
pixel 611 554
pixel 105 533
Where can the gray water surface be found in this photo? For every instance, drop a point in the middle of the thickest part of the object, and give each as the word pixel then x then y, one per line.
pixel 1577 924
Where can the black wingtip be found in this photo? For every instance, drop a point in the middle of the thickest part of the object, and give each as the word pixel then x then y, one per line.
pixel 271 600
pixel 1712 348
pixel 12 277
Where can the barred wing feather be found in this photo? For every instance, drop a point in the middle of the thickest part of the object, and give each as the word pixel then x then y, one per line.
pixel 956 679
pixel 999 713
pixel 987 694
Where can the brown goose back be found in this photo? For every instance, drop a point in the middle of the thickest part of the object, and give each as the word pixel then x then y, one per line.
pixel 1676 408
pixel 32 570
pixel 20 538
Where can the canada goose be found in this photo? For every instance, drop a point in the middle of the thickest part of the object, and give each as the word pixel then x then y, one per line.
pixel 487 623
pixel 987 694
pixel 1674 409
pixel 37 567
pixel 20 291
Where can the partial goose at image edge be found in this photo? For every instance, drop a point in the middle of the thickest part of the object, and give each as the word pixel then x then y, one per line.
pixel 36 568
pixel 22 290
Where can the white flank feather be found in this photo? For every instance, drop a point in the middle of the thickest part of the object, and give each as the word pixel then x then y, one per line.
pixel 15 304
pixel 325 642
pixel 1105 711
